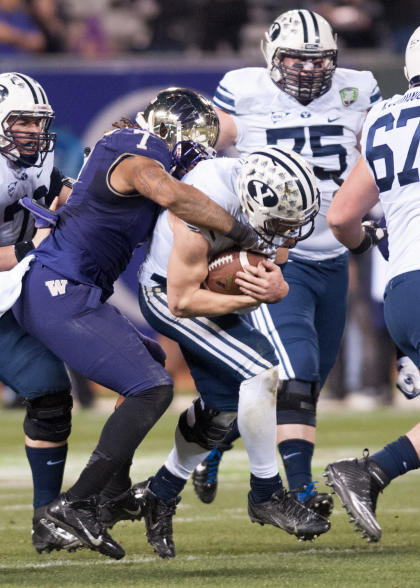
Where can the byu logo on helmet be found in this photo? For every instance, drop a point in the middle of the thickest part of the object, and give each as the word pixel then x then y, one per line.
pixel 259 191
pixel 274 31
pixel 4 92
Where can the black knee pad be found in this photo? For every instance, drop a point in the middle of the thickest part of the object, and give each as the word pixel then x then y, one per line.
pixel 48 418
pixel 206 427
pixel 296 402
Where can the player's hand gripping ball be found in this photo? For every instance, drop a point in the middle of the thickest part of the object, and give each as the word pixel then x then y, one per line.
pixel 223 268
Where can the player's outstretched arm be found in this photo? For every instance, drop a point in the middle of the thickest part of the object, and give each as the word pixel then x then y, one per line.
pixel 352 202
pixel 148 178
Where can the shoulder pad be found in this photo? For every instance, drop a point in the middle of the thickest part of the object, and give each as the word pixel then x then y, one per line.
pixel 138 142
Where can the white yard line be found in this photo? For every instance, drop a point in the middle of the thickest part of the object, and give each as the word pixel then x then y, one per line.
pixel 221 557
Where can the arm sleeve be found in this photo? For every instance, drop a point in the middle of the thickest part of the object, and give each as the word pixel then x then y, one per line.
pixel 56 183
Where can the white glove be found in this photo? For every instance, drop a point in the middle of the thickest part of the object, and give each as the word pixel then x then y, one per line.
pixel 408 381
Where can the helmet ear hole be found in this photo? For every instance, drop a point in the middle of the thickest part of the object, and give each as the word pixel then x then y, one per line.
pixel 163 130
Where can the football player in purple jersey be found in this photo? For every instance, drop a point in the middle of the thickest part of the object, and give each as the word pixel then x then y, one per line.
pixel 113 207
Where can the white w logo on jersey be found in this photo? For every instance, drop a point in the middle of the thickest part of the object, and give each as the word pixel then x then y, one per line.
pixel 56 287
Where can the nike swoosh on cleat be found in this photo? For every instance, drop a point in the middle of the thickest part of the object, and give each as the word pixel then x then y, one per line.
pixel 378 478
pixel 291 455
pixel 51 462
pixel 133 512
pixel 333 119
pixel 92 539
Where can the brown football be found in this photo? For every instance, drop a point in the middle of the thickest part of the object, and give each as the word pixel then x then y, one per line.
pixel 223 268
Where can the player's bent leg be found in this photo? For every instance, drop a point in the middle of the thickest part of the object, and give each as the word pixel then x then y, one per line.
pixel 357 483
pixel 122 433
pixel 296 420
pixel 40 378
pixel 205 475
pixel 220 351
pixel 200 429
pixel 246 357
pixel 76 510
pixel 47 426
pixel 268 501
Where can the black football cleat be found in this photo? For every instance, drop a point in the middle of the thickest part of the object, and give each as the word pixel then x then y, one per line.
pixel 287 513
pixel 204 476
pixel 46 536
pixel 357 483
pixel 128 506
pixel 158 516
pixel 320 502
pixel 79 517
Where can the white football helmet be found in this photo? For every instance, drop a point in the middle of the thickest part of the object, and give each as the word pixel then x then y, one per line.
pixel 304 35
pixel 21 97
pixel 179 114
pixel 278 193
pixel 412 59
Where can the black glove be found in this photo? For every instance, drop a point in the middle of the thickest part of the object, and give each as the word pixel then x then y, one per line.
pixel 373 234
pixel 247 238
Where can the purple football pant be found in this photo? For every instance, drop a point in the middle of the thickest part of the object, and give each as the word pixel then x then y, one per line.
pixel 92 337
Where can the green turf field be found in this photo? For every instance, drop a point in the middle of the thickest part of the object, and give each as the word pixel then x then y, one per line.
pixel 216 544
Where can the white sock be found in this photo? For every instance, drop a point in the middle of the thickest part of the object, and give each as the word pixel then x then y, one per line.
pixel 257 422
pixel 185 456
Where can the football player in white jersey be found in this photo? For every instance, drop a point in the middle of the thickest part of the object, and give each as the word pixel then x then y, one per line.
pixel 234 365
pixel 387 171
pixel 301 101
pixel 31 370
